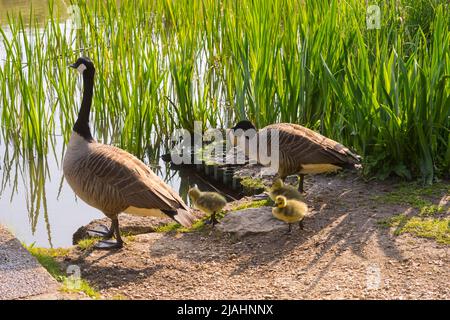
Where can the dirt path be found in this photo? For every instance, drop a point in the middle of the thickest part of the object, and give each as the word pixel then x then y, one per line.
pixel 342 253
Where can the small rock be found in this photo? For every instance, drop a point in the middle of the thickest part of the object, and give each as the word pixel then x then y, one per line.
pixel 250 221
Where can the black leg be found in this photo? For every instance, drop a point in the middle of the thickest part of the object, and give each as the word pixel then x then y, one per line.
pixel 301 178
pixel 117 232
pixel 213 219
pixel 108 244
pixel 300 224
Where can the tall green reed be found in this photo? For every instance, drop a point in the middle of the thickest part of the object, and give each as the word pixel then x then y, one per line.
pixel 164 64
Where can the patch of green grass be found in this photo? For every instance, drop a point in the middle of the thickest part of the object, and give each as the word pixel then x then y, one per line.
pixel 432 228
pixel 413 195
pixel 201 223
pixel 252 186
pixel 47 258
pixel 431 210
pixel 171 226
pixel 71 284
pixel 392 221
pixel 198 225
pixel 88 243
pixel 253 204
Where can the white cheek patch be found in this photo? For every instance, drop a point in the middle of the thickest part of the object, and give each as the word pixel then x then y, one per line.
pixel 81 68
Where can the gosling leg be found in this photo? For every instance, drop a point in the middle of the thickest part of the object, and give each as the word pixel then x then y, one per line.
pixel 108 244
pixel 300 224
pixel 289 229
pixel 214 220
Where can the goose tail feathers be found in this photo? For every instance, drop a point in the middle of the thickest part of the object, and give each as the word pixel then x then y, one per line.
pixel 182 216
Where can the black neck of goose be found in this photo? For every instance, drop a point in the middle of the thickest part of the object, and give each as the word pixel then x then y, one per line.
pixel 82 124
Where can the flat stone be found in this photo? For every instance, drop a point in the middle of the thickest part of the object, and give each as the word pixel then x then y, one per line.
pixel 250 221
pixel 21 275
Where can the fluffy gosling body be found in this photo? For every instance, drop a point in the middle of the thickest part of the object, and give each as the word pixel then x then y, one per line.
pixel 280 189
pixel 290 211
pixel 208 202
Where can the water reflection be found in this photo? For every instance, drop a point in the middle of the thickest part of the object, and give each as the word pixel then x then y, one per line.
pixel 40 9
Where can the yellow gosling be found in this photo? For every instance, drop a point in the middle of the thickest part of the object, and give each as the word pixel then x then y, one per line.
pixel 280 189
pixel 208 202
pixel 290 211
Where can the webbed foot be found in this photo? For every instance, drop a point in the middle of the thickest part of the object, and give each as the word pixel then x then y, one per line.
pixel 108 245
pixel 212 220
pixel 101 231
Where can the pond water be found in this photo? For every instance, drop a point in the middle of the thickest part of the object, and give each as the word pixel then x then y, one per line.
pixel 39 207
pixel 36 204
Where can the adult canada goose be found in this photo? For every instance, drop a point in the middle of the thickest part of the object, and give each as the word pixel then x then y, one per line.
pixel 111 179
pixel 209 202
pixel 303 151
pixel 290 211
pixel 280 189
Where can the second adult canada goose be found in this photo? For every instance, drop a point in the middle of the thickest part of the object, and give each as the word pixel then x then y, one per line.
pixel 303 151
pixel 209 202
pixel 111 179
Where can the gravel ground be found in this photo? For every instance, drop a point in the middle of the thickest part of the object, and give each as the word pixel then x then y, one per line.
pixel 21 276
pixel 341 253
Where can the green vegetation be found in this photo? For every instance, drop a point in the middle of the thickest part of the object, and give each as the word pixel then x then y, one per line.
pixel 85 244
pixel 431 220
pixel 47 258
pixel 198 225
pixel 433 228
pixel 253 204
pixel 168 227
pixel 88 243
pixel 416 196
pixel 163 64
pixel 252 186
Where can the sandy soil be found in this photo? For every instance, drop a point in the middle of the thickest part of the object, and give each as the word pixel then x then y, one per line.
pixel 342 253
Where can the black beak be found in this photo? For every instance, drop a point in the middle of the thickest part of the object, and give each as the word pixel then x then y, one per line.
pixel 72 66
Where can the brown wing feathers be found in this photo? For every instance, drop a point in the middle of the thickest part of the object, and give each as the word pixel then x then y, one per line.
pixel 138 186
pixel 307 146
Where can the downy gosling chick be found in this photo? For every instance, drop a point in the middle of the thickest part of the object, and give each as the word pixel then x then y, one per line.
pixel 280 189
pixel 209 202
pixel 290 211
